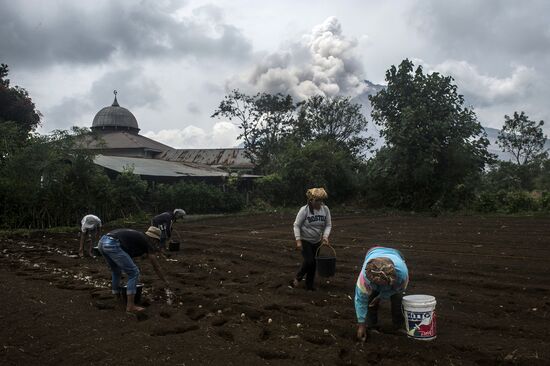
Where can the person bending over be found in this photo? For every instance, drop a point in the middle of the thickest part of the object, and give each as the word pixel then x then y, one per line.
pixel 119 247
pixel 384 275
pixel 90 228
pixel 164 222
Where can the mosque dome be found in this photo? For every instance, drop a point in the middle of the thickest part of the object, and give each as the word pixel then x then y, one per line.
pixel 116 118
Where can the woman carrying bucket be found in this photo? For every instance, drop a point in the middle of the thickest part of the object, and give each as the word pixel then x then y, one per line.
pixel 384 275
pixel 311 228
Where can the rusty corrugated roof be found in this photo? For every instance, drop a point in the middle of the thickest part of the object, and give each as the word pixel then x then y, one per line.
pixel 232 158
pixel 156 167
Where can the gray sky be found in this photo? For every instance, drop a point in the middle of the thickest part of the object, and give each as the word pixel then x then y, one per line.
pixel 173 61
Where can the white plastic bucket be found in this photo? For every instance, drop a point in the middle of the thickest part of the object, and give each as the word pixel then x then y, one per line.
pixel 420 319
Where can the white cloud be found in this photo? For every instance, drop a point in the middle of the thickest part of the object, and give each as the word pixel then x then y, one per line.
pixel 486 89
pixel 222 135
pixel 323 62
pixel 491 96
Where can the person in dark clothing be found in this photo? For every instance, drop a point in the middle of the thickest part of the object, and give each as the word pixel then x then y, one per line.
pixel 119 247
pixel 164 222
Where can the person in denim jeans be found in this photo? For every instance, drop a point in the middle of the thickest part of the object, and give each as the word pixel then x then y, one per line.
pixel 118 247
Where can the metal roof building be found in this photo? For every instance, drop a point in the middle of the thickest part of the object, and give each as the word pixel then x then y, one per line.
pixel 118 147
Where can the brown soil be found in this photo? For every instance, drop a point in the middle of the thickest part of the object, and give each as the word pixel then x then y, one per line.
pixel 489 275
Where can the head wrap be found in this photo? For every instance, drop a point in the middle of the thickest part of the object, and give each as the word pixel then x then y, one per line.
pixel 179 213
pixel 381 270
pixel 316 194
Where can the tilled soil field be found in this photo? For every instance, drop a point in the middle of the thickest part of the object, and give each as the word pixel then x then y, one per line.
pixel 490 277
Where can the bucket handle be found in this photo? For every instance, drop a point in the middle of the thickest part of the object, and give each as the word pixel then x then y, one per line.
pixel 328 245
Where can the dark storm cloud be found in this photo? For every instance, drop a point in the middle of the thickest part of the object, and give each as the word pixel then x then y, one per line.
pixel 498 51
pixel 487 30
pixel 67 113
pixel 36 33
pixel 134 91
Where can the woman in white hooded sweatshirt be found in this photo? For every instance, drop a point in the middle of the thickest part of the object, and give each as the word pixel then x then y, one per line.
pixel 311 228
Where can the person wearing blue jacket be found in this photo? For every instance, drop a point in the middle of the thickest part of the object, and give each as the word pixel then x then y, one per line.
pixel 384 275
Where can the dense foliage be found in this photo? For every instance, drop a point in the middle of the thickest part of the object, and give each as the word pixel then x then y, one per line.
pixel 51 183
pixel 435 150
pixel 435 158
pixel 317 142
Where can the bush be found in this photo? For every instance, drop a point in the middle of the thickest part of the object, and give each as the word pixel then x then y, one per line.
pixel 269 189
pixel 316 164
pixel 487 202
pixel 520 201
pixel 510 202
pixel 196 198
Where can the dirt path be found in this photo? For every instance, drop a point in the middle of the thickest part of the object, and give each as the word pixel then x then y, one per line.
pixel 489 275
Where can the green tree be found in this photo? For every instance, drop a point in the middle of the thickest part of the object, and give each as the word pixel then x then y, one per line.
pixel 317 163
pixel 129 192
pixel 264 120
pixel 522 138
pixel 507 176
pixel 48 182
pixel 333 119
pixel 435 147
pixel 18 115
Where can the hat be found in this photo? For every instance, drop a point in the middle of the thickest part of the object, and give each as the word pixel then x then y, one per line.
pixel 316 194
pixel 178 212
pixel 381 270
pixel 153 232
